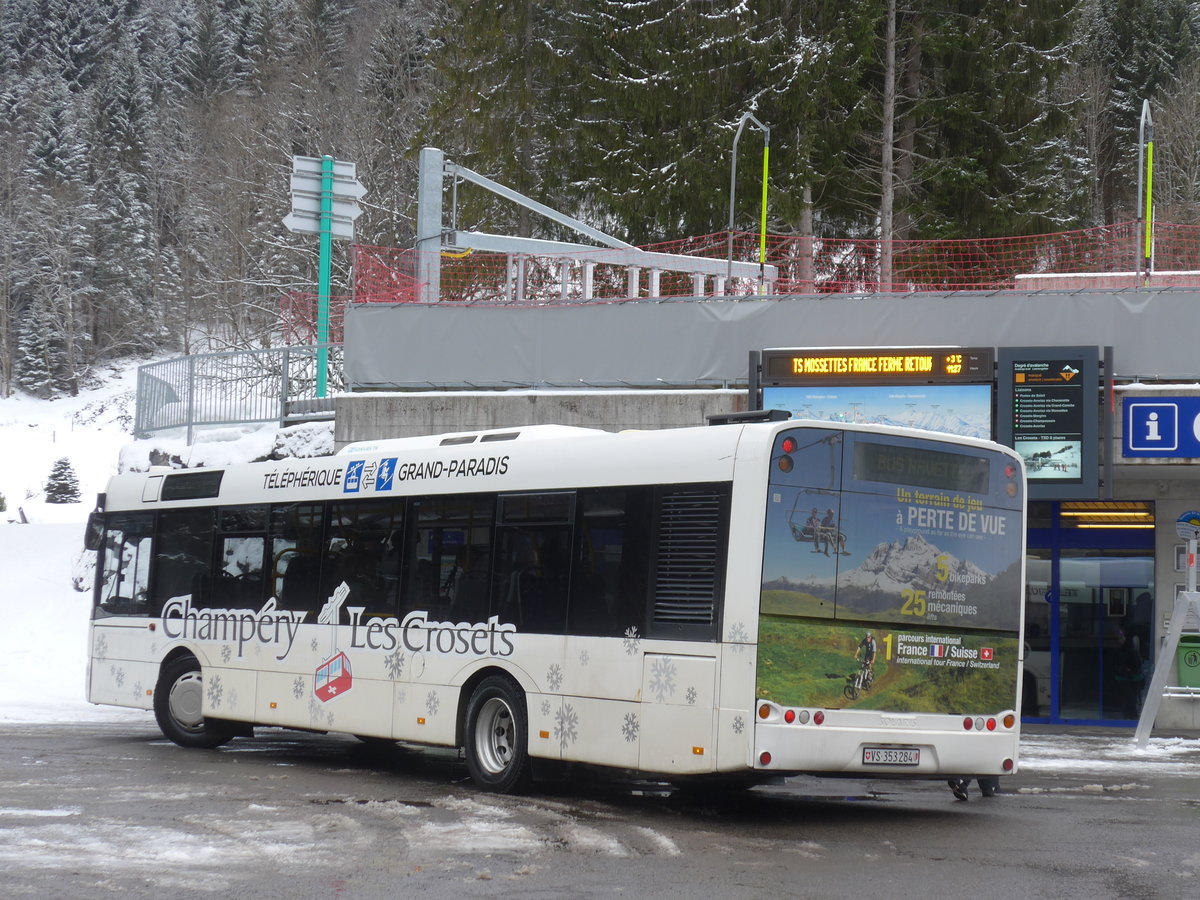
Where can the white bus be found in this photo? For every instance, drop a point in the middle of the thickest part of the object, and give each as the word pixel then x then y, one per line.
pixel 742 601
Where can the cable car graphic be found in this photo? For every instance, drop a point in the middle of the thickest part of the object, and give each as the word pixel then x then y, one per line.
pixel 333 678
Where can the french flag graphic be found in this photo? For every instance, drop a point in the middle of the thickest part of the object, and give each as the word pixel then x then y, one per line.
pixel 937 650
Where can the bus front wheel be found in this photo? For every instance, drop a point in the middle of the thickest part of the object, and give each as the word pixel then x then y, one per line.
pixel 178 702
pixel 497 736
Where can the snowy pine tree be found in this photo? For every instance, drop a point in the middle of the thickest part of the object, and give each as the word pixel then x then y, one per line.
pixel 63 485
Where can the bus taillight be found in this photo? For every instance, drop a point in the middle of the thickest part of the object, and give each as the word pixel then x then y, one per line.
pixel 819 717
pixel 789 445
pixel 765 758
pixel 1010 720
pixel 1007 765
pixel 789 716
pixel 786 464
pixel 991 724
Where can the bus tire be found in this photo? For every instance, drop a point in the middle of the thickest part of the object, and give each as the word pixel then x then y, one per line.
pixel 178 701
pixel 497 736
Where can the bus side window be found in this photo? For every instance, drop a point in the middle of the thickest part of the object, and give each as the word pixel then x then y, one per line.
pixel 533 561
pixel 296 556
pixel 448 550
pixel 610 573
pixel 124 586
pixel 364 552
pixel 182 555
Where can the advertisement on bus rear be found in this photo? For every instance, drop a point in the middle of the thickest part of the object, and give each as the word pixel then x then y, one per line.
pixel 891 596
pixel 834 666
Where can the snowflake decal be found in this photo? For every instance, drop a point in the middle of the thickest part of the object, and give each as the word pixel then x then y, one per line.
pixel 215 691
pixel 662 678
pixel 632 640
pixel 691 696
pixel 739 725
pixel 584 658
pixel 401 697
pixel 314 645
pixel 226 653
pixel 566 726
pixel 233 698
pixel 432 703
pixel 630 727
pixel 102 646
pixel 738 636
pixel 298 687
pixel 545 707
pixel 118 675
pixel 137 690
pixel 395 664
pixel 314 710
pixel 554 676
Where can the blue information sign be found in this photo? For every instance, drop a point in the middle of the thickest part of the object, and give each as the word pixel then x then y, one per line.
pixel 1161 426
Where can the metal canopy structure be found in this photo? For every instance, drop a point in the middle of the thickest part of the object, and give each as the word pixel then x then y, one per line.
pixel 432 239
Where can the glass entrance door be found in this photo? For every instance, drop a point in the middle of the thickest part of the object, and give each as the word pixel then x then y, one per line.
pixel 1088 619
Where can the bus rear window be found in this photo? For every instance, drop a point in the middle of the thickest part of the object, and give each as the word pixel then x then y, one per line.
pixel 921 467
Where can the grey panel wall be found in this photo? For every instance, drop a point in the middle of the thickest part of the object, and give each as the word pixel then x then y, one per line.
pixel 689 342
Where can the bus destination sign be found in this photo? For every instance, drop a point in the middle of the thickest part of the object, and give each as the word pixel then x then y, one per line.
pixel 872 365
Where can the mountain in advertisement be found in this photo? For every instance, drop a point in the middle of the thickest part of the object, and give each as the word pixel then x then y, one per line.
pixel 890 577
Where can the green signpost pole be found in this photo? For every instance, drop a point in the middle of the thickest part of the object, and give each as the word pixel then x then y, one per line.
pixel 324 266
pixel 325 195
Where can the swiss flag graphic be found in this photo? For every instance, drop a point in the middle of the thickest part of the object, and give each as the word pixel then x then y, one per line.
pixel 985 653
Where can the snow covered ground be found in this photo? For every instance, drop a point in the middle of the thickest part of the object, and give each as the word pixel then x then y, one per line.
pixel 44 634
pixel 43 639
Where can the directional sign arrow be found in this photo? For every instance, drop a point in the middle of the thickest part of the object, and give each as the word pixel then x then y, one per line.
pixel 311 203
pixel 308 223
pixel 308 183
pixel 313 164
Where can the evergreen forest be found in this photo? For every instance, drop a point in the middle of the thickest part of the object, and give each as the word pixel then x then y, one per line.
pixel 146 144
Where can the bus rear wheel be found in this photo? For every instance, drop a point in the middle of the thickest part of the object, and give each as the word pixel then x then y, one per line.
pixel 178 705
pixel 497 736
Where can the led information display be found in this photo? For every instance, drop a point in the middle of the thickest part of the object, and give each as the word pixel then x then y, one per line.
pixel 898 365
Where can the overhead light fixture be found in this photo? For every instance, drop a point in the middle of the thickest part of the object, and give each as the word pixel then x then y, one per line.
pixel 1114 525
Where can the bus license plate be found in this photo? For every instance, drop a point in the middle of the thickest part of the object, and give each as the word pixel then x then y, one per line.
pixel 891 756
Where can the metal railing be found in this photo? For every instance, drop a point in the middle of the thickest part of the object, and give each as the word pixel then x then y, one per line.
pixel 237 387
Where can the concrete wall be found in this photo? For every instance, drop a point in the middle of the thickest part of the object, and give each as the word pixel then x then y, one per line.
pixel 372 416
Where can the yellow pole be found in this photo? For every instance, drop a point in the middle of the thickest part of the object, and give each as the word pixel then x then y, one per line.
pixel 762 231
pixel 1149 219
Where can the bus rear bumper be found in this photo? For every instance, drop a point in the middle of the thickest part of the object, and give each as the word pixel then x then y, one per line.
pixel 922 752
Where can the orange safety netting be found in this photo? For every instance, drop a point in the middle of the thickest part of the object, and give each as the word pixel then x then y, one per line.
pixel 298 318
pixel 1104 257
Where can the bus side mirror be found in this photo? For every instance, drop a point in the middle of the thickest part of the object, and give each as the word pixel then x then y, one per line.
pixel 93 535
